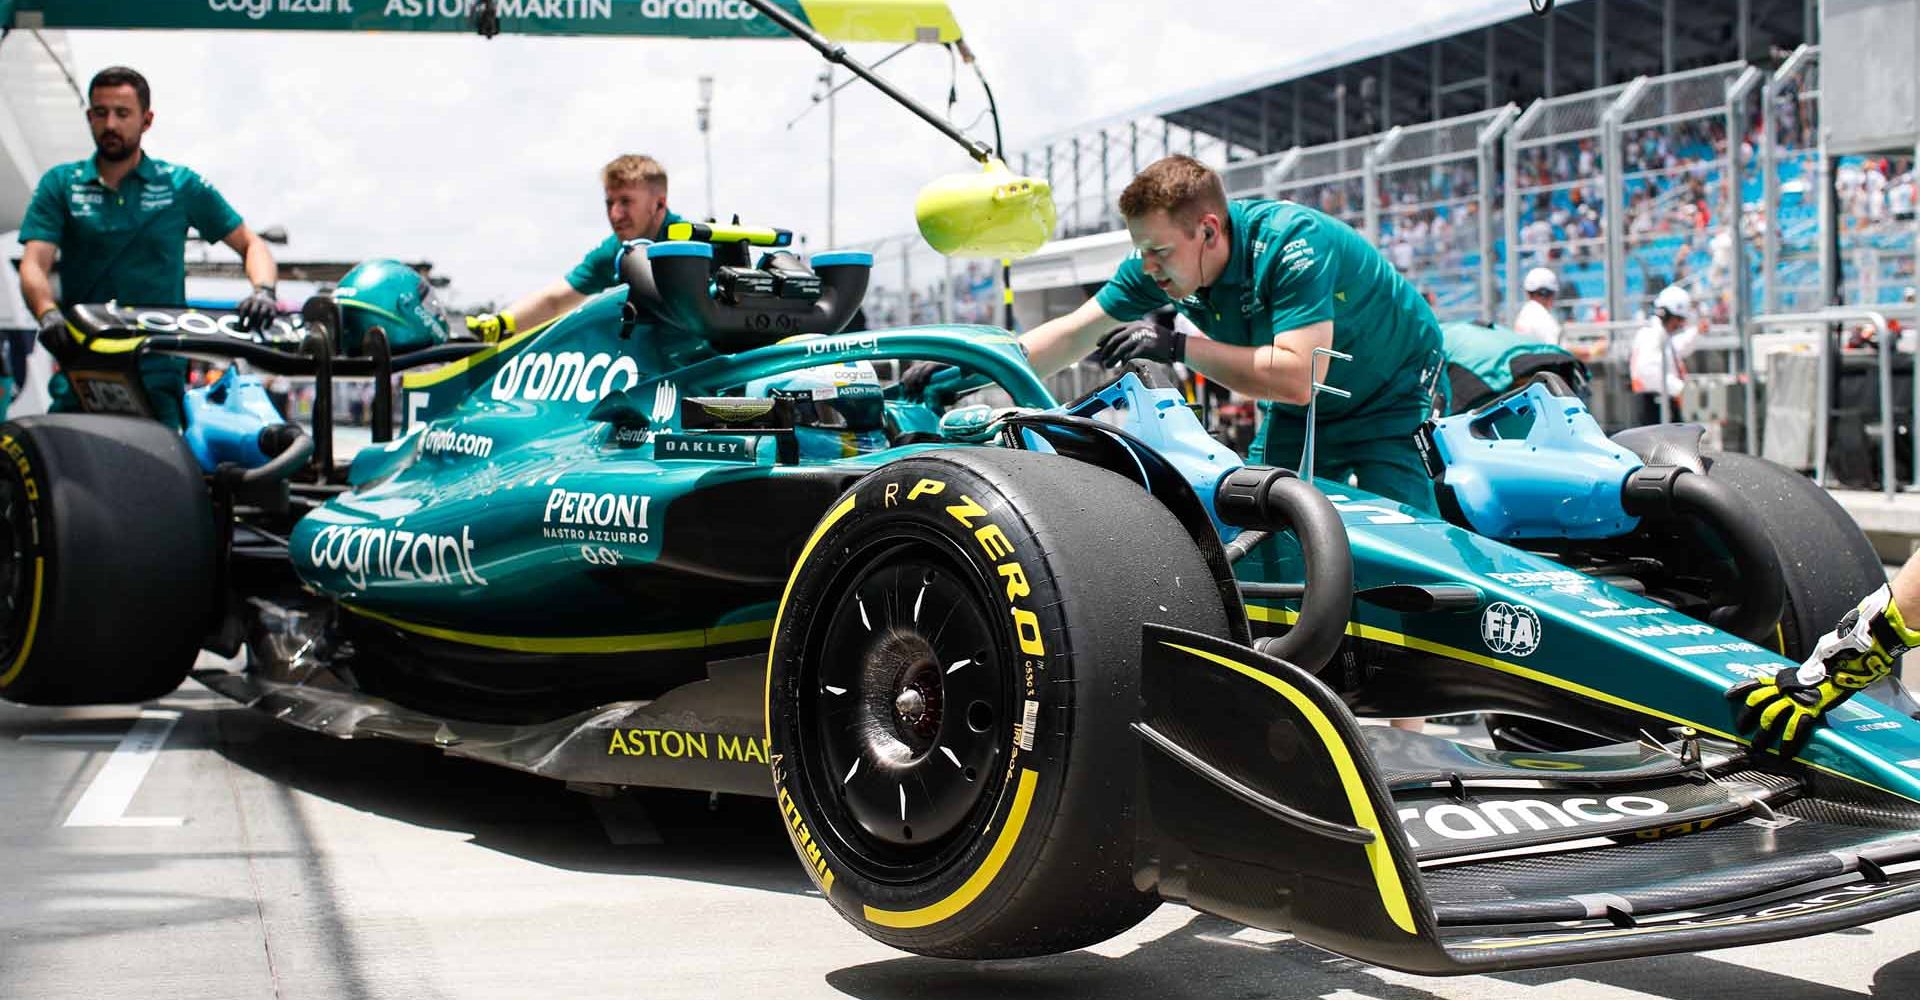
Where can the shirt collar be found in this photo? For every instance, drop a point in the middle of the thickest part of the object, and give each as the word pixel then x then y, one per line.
pixel 146 170
pixel 1239 269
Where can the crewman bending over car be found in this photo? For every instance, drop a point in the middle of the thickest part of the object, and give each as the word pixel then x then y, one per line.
pixel 636 189
pixel 1864 648
pixel 1267 282
pixel 119 222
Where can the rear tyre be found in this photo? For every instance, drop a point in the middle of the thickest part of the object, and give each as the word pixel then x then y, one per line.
pixel 1826 562
pixel 953 671
pixel 107 555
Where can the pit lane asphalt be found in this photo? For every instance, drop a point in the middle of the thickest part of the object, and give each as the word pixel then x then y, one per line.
pixel 303 866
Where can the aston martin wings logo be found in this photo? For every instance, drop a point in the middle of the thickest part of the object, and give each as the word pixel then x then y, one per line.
pixel 666 401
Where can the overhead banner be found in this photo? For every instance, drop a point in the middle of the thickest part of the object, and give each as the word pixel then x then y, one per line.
pixel 899 21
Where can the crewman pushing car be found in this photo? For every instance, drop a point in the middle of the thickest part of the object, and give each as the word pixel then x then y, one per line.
pixel 636 190
pixel 119 222
pixel 1865 647
pixel 1267 282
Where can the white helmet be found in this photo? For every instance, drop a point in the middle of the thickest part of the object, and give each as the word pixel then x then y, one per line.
pixel 1542 279
pixel 1673 301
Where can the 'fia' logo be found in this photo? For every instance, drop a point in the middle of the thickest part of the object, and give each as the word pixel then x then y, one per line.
pixel 1510 629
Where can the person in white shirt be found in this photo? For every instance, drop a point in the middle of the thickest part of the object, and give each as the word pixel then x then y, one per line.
pixel 1655 365
pixel 1536 318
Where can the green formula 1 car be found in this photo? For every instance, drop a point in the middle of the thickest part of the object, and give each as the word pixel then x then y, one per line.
pixel 1013 676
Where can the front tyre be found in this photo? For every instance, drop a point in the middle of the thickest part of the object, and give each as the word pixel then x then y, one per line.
pixel 953 670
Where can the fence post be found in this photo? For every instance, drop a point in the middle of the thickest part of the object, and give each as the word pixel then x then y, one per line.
pixel 1615 197
pixel 1737 93
pixel 1369 179
pixel 1513 197
pixel 1484 143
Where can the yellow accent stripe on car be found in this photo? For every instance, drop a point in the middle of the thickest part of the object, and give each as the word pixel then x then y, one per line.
pixel 33 623
pixel 982 877
pixel 111 345
pixel 1284 616
pixel 454 369
pixel 694 638
pixel 1386 876
pixel 882 20
pixel 833 517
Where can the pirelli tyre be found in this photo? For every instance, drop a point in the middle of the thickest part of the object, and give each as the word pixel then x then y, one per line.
pixel 106 560
pixel 954 666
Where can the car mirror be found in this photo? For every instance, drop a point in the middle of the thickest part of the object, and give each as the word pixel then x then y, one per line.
pixel 993 213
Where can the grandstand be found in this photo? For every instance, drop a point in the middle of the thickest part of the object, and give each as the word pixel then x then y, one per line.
pixel 1496 138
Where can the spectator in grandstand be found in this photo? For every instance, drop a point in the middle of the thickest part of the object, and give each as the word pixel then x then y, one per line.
pixel 1656 364
pixel 636 190
pixel 1536 318
pixel 1269 282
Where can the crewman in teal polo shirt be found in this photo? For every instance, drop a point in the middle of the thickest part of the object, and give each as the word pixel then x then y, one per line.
pixel 1267 282
pixel 636 189
pixel 119 222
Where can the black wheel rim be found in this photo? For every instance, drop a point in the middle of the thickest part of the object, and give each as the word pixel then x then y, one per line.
pixel 16 570
pixel 910 711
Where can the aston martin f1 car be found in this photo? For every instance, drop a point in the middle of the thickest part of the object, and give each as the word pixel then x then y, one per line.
pixel 1014 675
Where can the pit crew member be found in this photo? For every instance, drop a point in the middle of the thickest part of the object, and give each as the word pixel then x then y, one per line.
pixel 1267 281
pixel 1866 646
pixel 636 191
pixel 119 222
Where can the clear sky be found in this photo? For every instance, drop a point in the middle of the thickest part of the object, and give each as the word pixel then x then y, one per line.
pixel 482 156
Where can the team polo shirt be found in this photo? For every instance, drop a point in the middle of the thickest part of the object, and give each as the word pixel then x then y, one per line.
pixel 1292 266
pixel 127 245
pixel 595 272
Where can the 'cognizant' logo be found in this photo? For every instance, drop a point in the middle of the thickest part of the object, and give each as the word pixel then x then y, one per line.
pixel 363 553
pixel 567 376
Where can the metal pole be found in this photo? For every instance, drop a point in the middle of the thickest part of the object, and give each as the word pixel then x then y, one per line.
pixel 1828 225
pixel 1490 134
pixel 1770 180
pixel 1616 270
pixel 946 289
pixel 1369 180
pixel 831 100
pixel 706 136
pixel 1737 94
pixel 1512 222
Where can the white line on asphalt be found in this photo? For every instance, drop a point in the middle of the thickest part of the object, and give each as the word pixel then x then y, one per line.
pixel 105 801
pixel 71 738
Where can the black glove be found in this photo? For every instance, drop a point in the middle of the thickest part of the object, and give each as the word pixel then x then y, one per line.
pixel 1862 649
pixel 1142 341
pixel 913 381
pixel 53 329
pixel 258 310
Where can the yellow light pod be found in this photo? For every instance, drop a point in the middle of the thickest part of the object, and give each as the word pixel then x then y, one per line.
pixel 994 213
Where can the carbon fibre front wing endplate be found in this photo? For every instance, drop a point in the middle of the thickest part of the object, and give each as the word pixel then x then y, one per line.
pixel 1266 802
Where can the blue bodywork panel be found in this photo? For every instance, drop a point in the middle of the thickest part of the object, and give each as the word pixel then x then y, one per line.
pixel 224 421
pixel 1536 465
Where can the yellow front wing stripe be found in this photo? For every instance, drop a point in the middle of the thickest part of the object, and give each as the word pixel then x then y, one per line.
pixel 1386 877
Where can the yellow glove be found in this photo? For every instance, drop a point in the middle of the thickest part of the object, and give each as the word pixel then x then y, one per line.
pixel 1862 649
pixel 491 327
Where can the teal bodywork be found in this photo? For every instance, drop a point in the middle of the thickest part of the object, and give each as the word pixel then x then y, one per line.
pixel 538 502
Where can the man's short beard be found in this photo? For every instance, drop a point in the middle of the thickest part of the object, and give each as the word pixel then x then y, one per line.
pixel 126 152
